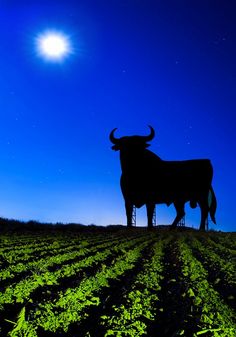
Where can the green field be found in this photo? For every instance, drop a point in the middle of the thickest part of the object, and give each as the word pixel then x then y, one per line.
pixel 117 283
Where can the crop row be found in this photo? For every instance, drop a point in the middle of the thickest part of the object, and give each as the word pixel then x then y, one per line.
pixel 27 252
pixel 214 317
pixel 42 264
pixel 226 239
pixel 219 266
pixel 128 319
pixel 219 248
pixel 21 291
pixel 49 246
pixel 19 242
pixel 123 284
pixel 12 258
pixel 71 306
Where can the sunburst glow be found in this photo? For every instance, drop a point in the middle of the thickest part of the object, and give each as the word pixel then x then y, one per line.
pixel 53 46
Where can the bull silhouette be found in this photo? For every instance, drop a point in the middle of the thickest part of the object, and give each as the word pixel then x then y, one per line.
pixel 148 180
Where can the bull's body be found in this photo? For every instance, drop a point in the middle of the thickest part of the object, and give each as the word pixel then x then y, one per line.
pixel 165 182
pixel 148 180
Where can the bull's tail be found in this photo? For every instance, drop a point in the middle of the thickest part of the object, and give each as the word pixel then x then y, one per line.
pixel 212 204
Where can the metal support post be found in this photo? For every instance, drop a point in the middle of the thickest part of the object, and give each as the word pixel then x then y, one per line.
pixel 154 219
pixel 133 219
pixel 182 222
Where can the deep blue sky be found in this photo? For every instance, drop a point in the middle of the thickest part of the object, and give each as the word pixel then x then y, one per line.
pixel 170 64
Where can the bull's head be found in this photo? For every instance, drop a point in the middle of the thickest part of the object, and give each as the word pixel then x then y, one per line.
pixel 131 141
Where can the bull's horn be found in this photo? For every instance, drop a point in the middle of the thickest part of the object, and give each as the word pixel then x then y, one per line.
pixel 151 136
pixel 112 137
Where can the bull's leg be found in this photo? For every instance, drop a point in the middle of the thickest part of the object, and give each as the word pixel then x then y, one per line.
pixel 204 213
pixel 129 211
pixel 179 206
pixel 150 211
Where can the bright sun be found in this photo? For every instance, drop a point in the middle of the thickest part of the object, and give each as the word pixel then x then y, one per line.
pixel 53 46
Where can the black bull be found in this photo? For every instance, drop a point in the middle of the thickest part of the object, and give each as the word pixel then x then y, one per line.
pixel 148 180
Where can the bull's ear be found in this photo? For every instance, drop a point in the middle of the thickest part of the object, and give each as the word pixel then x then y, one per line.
pixel 115 147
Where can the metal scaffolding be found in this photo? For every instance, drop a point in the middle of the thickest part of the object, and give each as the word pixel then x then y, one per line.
pixel 181 223
pixel 133 219
pixel 154 218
